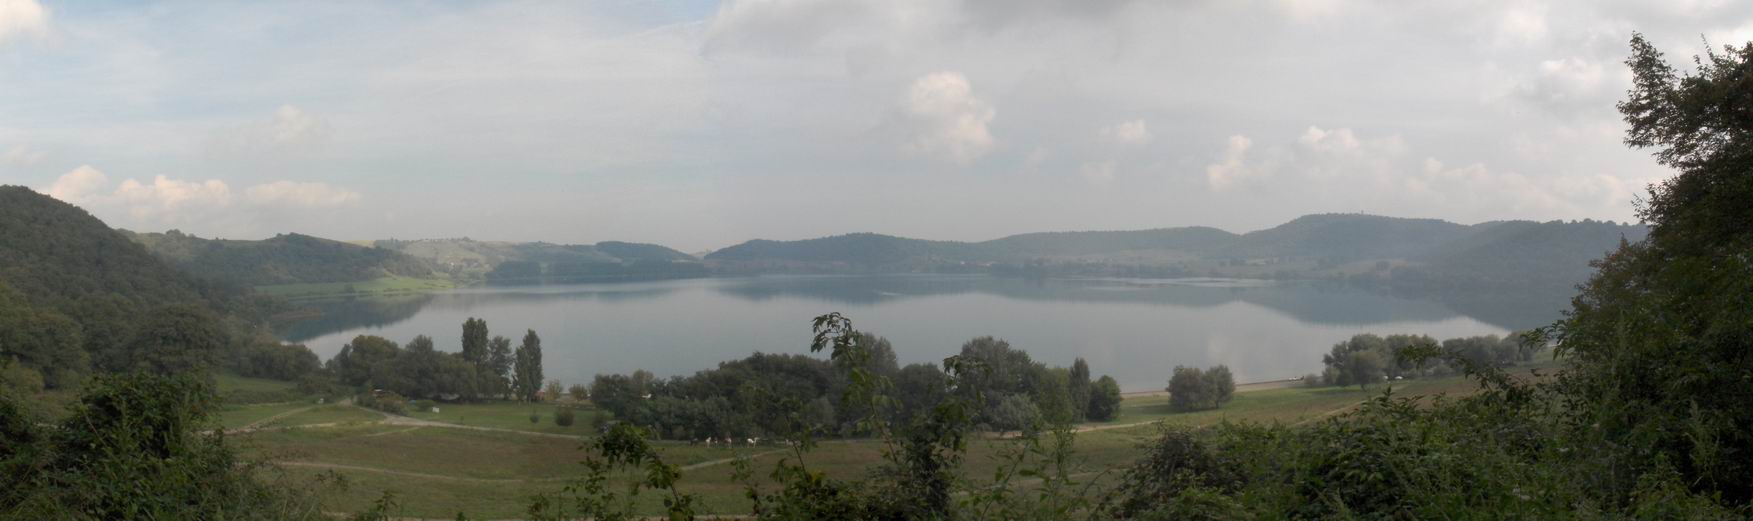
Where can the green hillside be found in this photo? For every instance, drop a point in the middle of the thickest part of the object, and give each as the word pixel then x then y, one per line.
pixel 283 259
pixel 469 259
pixel 78 297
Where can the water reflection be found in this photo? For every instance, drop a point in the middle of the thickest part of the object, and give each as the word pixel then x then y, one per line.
pixel 1133 328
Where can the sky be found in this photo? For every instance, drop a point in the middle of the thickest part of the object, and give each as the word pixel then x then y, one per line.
pixel 700 124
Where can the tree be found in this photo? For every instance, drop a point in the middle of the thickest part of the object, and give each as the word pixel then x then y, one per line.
pixel 1187 389
pixel 1359 361
pixel 1104 400
pixel 475 342
pixel 526 371
pixel 553 390
pixel 614 393
pixel 353 365
pixel 578 392
pixel 499 361
pixel 1078 387
pixel 175 339
pixel 1220 385
pixel 1658 338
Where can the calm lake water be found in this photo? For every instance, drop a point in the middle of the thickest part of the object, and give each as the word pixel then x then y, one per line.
pixel 1136 330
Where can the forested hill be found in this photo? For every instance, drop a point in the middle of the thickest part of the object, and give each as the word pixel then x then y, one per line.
pixel 59 256
pixel 467 259
pixel 1427 252
pixel 282 259
pixel 77 296
pixel 1344 237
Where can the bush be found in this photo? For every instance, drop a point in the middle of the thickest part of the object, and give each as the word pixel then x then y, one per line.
pixel 563 416
pixel 135 446
pixel 1104 400
pixel 535 417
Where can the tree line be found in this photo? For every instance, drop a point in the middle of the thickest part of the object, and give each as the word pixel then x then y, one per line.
pixel 1368 358
pixel 486 368
pixel 765 394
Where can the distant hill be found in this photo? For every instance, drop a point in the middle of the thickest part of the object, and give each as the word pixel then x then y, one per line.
pixel 283 259
pixel 1410 254
pixel 1345 237
pixel 1518 255
pixel 541 261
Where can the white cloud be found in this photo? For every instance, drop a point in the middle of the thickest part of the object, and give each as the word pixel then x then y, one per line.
pixel 1521 25
pixel 1099 173
pixel 1233 167
pixel 300 195
pixel 1133 132
pixel 946 120
pixel 293 125
pixel 172 199
pixel 289 130
pixel 74 186
pixel 18 155
pixel 22 18
pixel 165 201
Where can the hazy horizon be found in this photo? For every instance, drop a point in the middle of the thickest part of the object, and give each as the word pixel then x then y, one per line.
pixel 701 124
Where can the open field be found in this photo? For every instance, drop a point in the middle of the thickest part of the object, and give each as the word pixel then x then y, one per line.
pixel 491 467
pixel 509 415
pixel 375 287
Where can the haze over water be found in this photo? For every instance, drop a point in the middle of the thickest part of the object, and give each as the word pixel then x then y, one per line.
pixel 1135 330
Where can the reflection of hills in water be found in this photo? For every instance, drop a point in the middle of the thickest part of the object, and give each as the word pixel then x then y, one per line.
pixel 1313 302
pixel 346 314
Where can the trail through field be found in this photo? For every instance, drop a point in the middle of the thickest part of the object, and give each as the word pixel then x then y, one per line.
pixel 403 473
pixel 267 422
pixel 723 461
pixel 392 419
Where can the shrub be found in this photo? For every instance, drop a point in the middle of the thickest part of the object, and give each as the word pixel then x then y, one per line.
pixel 563 416
pixel 535 417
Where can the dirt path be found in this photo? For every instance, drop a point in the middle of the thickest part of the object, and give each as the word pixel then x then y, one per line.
pixel 723 461
pixel 392 419
pixel 403 473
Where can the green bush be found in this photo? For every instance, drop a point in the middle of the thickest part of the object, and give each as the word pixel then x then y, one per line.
pixel 563 416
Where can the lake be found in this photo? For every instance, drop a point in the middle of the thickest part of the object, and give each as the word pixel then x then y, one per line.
pixel 1137 330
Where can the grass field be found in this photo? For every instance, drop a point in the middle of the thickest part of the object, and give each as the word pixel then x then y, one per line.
pixel 492 469
pixel 508 415
pixel 375 287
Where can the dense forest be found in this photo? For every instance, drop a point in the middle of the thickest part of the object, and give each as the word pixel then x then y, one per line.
pixel 282 259
pixel 78 298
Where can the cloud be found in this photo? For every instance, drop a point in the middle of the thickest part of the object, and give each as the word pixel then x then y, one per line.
pixel 22 18
pixel 289 130
pixel 946 120
pixel 1099 173
pixel 1349 172
pixel 300 195
pixel 74 186
pixel 1233 167
pixel 168 201
pixel 1128 133
pixel 18 155
pixel 172 199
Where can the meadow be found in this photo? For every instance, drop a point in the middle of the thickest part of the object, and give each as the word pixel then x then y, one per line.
pixel 487 460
